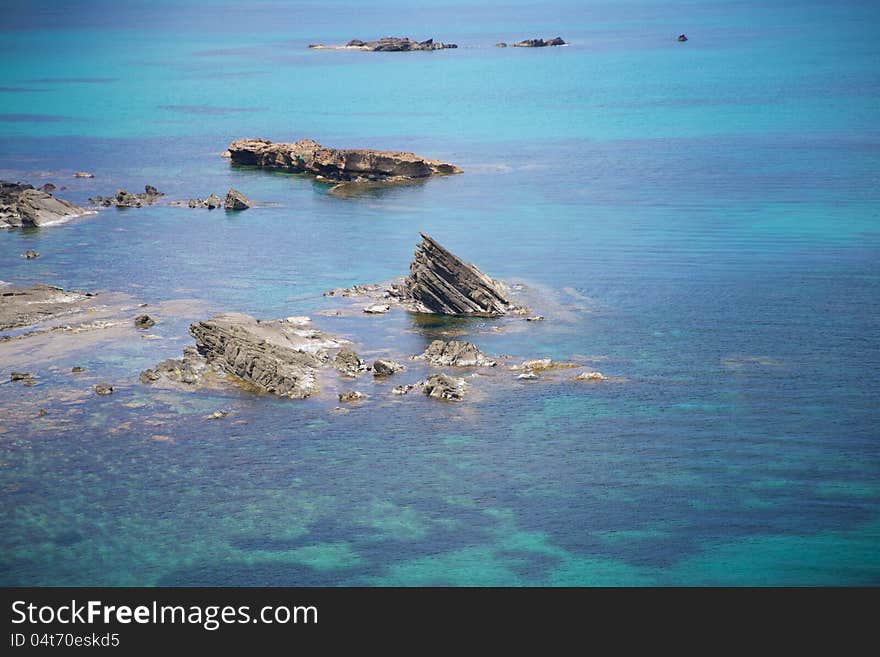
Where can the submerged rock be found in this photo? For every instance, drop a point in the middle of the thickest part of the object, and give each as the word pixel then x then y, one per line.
pixel 83 174
pixel 682 38
pixel 455 354
pixel 385 367
pixel 501 45
pixel 402 390
pixel 351 396
pixel 144 322
pixel 441 282
pixel 30 254
pixel 307 156
pixel 103 389
pixel 25 306
pixel 443 386
pixel 590 376
pixel 388 44
pixel 235 200
pixel 20 376
pixel 22 205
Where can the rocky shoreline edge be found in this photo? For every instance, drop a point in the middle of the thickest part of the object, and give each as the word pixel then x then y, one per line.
pixel 295 359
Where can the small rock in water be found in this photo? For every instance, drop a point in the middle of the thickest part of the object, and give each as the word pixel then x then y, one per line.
pixel 385 367
pixel 30 254
pixel 351 396
pixel 42 412
pixel 83 174
pixel 103 389
pixel 455 353
pixel 443 386
pixel 590 376
pixel 682 38
pixel 217 415
pixel 48 187
pixel 348 363
pixel 78 370
pixel 144 322
pixel 402 390
pixel 213 201
pixel 235 200
pixel 535 318
pixel 501 44
pixel 528 376
pixel 301 320
pixel 378 309
pixel 20 376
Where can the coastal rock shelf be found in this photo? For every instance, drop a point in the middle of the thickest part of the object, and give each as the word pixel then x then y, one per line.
pixel 338 164
pixel 22 205
pixel 387 44
pixel 25 306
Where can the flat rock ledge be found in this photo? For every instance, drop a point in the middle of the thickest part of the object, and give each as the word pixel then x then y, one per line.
pixel 336 164
pixel 387 44
pixel 21 205
pixel 273 356
pixel 21 307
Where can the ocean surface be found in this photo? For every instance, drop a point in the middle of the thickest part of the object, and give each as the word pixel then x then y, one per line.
pixel 702 218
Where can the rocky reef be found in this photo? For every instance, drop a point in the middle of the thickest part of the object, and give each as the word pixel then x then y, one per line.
pixel 538 43
pixel 124 199
pixel 336 164
pixel 22 205
pixel 387 44
pixel 25 306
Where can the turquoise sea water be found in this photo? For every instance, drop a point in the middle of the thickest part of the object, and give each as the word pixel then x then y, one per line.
pixel 702 216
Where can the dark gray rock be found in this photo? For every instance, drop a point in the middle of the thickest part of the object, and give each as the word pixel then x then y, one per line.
pixel 125 199
pixel 539 43
pixel 144 322
pixel 445 387
pixel 385 367
pixel 682 38
pixel 441 282
pixel 235 200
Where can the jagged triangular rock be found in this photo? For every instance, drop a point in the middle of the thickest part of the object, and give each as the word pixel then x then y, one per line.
pixel 441 282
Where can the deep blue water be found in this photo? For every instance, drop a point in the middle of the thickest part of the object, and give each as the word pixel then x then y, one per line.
pixel 702 219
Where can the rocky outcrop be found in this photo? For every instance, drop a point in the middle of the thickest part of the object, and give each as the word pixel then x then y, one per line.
pixel 539 43
pixel 235 200
pixel 454 354
pixel 441 282
pixel 264 354
pixel 144 322
pixel 212 202
pixel 348 363
pixel 124 199
pixel 386 367
pixel 338 164
pixel 189 370
pixel 22 205
pixel 443 386
pixel 25 306
pixel 388 44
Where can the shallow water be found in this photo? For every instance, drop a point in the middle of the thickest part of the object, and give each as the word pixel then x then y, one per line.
pixel 701 220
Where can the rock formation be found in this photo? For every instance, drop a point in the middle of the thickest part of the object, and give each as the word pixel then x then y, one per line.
pixel 22 205
pixel 26 306
pixel 441 282
pixel 264 354
pixel 455 354
pixel 386 367
pixel 388 44
pixel 443 386
pixel 682 38
pixel 539 43
pixel 124 199
pixel 307 156
pixel 235 200
pixel 348 363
